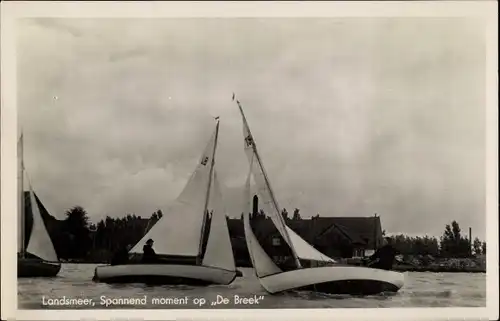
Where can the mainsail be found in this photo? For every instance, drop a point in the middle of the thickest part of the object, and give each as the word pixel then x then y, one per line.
pixel 180 232
pixel 299 247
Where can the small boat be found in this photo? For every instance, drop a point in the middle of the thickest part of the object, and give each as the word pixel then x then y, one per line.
pixel 310 270
pixel 192 246
pixel 36 254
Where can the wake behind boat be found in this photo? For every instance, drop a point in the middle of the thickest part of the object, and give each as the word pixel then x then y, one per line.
pixel 310 269
pixel 36 254
pixel 192 242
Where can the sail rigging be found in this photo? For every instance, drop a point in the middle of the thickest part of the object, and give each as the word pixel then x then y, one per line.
pixel 182 230
pixel 300 248
pixel 261 262
pixel 264 186
pixel 207 197
pixel 328 279
pixel 178 232
pixel 38 242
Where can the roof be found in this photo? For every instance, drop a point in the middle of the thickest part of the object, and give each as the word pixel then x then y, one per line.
pixel 359 230
pixel 364 229
pixel 302 228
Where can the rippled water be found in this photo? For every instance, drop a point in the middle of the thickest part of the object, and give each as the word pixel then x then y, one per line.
pixel 420 290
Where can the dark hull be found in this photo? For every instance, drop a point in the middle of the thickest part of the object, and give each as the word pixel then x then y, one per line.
pixel 158 280
pixel 154 280
pixel 32 268
pixel 352 287
pixel 163 274
pixel 338 279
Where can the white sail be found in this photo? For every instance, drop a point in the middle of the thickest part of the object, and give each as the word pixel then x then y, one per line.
pixel 299 247
pixel 268 201
pixel 39 243
pixel 263 265
pixel 20 196
pixel 219 252
pixel 306 251
pixel 178 232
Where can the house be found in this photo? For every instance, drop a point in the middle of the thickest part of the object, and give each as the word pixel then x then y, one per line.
pixel 364 233
pixel 333 236
pixel 337 237
pixel 336 240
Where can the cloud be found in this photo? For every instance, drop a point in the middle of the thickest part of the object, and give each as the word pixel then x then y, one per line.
pixel 352 116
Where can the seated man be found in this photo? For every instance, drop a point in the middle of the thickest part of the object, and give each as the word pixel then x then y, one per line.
pixel 384 257
pixel 149 255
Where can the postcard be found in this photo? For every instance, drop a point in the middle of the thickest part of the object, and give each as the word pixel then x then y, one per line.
pixel 249 160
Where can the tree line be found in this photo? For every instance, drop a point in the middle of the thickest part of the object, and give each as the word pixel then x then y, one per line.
pixel 451 244
pixel 76 237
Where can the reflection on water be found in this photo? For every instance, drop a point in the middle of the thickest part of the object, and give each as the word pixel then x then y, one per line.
pixel 421 290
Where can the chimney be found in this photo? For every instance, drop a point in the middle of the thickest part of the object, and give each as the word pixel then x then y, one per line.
pixel 255 208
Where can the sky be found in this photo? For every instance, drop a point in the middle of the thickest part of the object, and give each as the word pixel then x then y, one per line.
pixel 351 116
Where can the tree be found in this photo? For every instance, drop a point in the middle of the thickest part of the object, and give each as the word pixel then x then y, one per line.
pixel 100 235
pixel 77 218
pixel 284 213
pixel 452 243
pixel 477 246
pixel 260 214
pixel 296 214
pixel 77 225
pixel 483 250
pixel 415 245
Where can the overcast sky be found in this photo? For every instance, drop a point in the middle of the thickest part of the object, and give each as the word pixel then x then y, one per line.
pixel 351 116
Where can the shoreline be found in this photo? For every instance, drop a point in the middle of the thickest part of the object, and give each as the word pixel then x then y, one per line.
pixel 398 268
pixel 438 269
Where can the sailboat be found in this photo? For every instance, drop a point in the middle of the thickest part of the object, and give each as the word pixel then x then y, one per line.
pixel 193 248
pixel 310 270
pixel 36 254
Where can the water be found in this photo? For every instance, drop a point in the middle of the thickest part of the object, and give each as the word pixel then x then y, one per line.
pixel 420 290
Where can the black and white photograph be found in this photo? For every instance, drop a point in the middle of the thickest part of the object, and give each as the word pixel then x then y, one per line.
pixel 250 161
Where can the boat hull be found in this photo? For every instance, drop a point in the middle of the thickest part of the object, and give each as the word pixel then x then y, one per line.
pixel 171 274
pixel 31 268
pixel 350 280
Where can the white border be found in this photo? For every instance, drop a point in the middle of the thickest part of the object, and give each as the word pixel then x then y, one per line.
pixel 486 10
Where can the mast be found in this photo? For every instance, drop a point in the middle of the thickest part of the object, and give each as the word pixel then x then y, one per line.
pixel 207 198
pixel 21 197
pixel 268 185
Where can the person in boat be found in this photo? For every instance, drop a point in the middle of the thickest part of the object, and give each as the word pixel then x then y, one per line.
pixel 384 257
pixel 148 255
pixel 121 256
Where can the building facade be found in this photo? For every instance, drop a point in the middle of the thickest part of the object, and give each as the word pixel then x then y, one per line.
pixel 337 237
